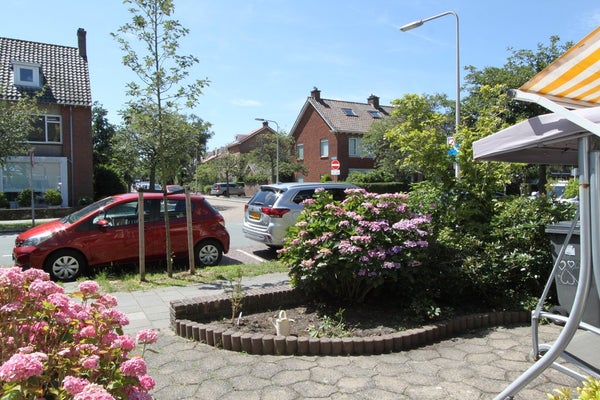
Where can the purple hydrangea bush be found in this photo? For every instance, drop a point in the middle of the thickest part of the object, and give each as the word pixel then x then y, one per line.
pixel 53 346
pixel 346 249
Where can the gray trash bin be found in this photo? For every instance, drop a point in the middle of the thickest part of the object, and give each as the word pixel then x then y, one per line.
pixel 567 275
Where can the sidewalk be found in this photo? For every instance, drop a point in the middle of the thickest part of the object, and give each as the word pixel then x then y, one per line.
pixel 478 365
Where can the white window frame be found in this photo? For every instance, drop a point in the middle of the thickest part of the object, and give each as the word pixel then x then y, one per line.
pixel 354 147
pixel 23 66
pixel 46 120
pixel 300 151
pixel 356 150
pixel 324 148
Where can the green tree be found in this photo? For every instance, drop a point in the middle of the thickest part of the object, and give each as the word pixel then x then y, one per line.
pixel 263 157
pixel 419 136
pixel 17 120
pixel 103 135
pixel 162 74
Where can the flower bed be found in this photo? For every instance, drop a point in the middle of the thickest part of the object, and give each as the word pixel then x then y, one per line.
pixel 189 320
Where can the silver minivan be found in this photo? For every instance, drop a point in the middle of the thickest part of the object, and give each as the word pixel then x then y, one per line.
pixel 275 207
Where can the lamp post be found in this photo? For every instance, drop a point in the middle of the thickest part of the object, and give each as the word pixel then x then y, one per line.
pixel 418 23
pixel 277 145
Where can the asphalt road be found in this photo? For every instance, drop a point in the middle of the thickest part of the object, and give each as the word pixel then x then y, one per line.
pixel 242 249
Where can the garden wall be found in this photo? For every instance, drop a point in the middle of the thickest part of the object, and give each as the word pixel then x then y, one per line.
pixel 187 317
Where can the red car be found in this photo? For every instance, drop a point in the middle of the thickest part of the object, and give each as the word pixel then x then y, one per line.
pixel 107 232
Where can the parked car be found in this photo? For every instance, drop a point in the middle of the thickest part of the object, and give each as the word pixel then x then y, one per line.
pixel 174 189
pixel 145 185
pixel 275 207
pixel 107 232
pixel 226 189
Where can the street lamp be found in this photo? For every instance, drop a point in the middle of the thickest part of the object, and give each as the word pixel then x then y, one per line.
pixel 277 151
pixel 416 24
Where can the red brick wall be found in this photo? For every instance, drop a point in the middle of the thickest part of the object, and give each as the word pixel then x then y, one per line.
pixel 81 184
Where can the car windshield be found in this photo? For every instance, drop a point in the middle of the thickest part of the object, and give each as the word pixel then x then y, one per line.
pixel 77 215
pixel 265 197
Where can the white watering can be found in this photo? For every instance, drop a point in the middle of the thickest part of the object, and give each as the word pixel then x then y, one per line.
pixel 282 324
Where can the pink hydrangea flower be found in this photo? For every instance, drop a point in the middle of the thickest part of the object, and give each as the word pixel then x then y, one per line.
pixel 88 331
pixel 89 287
pixel 147 336
pixel 74 385
pixel 91 362
pixel 124 342
pixel 147 382
pixel 93 392
pixel 134 367
pixel 20 367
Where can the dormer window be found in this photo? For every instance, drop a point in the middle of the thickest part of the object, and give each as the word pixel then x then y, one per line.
pixel 26 74
pixel 349 112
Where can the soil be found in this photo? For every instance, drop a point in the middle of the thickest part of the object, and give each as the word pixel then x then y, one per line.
pixel 324 321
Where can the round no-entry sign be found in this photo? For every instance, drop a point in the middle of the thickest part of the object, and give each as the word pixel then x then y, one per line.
pixel 335 164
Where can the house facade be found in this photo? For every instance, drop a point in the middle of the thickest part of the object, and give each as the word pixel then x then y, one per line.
pixel 61 156
pixel 328 130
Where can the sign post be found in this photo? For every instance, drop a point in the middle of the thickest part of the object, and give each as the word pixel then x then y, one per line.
pixel 335 167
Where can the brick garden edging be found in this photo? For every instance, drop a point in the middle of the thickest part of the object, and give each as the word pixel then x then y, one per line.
pixel 187 315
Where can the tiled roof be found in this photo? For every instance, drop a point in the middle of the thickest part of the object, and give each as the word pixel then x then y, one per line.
pixel 332 113
pixel 62 68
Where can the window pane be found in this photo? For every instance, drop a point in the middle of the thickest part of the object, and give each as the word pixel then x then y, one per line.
pixel 324 148
pixel 353 144
pixel 53 127
pixel 25 75
pixel 300 149
pixel 38 134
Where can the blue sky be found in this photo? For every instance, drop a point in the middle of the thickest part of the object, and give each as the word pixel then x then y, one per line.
pixel 263 57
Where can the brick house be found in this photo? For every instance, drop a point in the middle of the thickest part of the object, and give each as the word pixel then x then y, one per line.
pixel 62 149
pixel 244 144
pixel 327 130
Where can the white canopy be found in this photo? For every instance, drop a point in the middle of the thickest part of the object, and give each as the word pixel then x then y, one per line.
pixel 545 139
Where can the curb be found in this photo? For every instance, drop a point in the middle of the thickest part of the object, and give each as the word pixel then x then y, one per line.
pixel 186 314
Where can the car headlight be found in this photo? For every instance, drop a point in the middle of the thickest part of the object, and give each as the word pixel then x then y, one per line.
pixel 36 240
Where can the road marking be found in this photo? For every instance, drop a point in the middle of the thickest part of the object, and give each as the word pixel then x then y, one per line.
pixel 257 258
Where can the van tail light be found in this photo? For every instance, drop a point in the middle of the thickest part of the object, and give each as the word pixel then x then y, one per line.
pixel 274 212
pixel 245 207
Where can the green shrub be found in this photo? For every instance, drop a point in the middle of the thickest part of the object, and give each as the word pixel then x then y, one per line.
pixel 589 391
pixel 3 200
pixel 52 197
pixel 84 201
pixel 514 262
pixel 24 198
pixel 107 182
pixel 345 250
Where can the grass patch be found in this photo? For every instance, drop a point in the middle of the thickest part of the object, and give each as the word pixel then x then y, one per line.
pixel 127 279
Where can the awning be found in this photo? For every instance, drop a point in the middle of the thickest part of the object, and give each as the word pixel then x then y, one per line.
pixel 546 139
pixel 573 80
pixel 570 82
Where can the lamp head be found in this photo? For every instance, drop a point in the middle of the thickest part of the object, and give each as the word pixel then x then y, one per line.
pixel 412 25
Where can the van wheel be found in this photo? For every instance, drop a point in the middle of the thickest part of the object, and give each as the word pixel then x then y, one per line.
pixel 208 253
pixel 65 265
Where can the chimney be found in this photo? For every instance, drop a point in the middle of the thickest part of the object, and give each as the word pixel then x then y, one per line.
pixel 81 43
pixel 315 94
pixel 265 124
pixel 373 100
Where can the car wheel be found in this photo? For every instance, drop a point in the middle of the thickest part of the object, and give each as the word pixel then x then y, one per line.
pixel 209 253
pixel 65 265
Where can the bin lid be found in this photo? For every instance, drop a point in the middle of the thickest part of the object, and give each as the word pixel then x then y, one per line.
pixel 562 227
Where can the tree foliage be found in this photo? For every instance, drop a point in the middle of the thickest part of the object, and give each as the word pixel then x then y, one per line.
pixel 162 72
pixel 17 121
pixel 419 136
